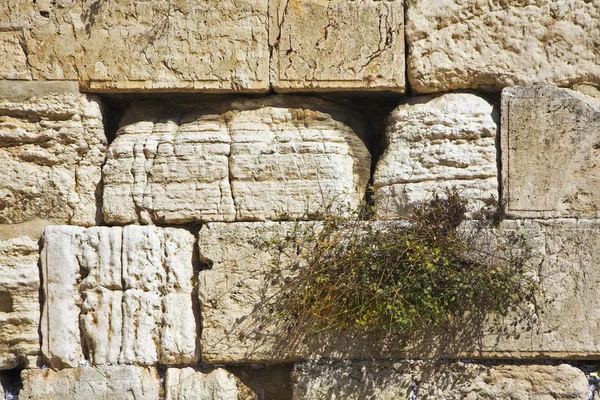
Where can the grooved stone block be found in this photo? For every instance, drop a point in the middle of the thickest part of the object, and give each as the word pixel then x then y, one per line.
pixel 430 380
pixel 238 292
pixel 348 45
pixel 550 152
pixel 19 302
pixel 434 143
pixel 118 295
pixel 276 158
pixel 124 382
pixel 456 44
pixel 52 146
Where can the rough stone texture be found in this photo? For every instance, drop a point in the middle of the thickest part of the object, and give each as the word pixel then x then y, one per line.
pixel 435 143
pixel 440 381
pixel 347 45
pixel 275 158
pixel 131 46
pixel 19 303
pixel 124 382
pixel 491 45
pixel 118 295
pixel 237 293
pixel 198 384
pixel 52 147
pixel 551 156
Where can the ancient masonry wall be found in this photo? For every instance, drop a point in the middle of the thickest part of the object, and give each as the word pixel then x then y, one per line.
pixel 147 148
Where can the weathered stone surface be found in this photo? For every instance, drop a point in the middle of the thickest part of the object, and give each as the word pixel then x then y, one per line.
pixel 491 45
pixel 132 46
pixel 198 384
pixel 118 295
pixel 52 147
pixel 237 294
pixel 550 156
pixel 19 302
pixel 435 380
pixel 347 45
pixel 275 158
pixel 124 382
pixel 435 143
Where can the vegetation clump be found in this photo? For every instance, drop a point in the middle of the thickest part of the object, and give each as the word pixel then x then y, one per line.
pixel 430 268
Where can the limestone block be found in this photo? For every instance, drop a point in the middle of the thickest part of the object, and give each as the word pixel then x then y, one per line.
pixel 125 296
pixel 275 158
pixel 52 147
pixel 198 384
pixel 238 293
pixel 19 302
pixel 491 45
pixel 435 143
pixel 209 45
pixel 550 156
pixel 348 45
pixel 436 380
pixel 124 382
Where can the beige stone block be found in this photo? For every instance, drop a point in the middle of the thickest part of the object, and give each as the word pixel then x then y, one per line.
pixel 434 143
pixel 119 295
pixel 348 45
pixel 52 146
pixel 550 156
pixel 197 384
pixel 125 382
pixel 430 380
pixel 19 302
pixel 238 295
pixel 269 159
pixel 491 45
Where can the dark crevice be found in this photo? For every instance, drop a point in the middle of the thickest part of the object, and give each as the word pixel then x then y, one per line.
pixel 10 380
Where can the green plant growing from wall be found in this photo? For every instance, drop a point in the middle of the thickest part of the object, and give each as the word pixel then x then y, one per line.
pixel 432 268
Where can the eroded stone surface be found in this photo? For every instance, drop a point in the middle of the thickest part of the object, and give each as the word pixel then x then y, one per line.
pixel 275 158
pixel 435 380
pixel 551 156
pixel 348 45
pixel 52 147
pixel 198 384
pixel 19 302
pixel 118 295
pixel 237 295
pixel 132 46
pixel 435 143
pixel 491 45
pixel 124 382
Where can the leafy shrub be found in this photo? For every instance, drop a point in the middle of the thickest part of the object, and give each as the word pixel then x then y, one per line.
pixel 430 268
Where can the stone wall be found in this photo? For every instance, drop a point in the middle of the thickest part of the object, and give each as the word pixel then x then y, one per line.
pixel 149 150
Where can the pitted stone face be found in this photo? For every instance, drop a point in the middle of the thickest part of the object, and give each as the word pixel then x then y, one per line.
pixel 435 143
pixel 272 159
pixel 490 45
pixel 550 153
pixel 118 295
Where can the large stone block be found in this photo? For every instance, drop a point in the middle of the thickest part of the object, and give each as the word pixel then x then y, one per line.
pixel 491 45
pixel 210 45
pixel 550 152
pixel 436 380
pixel 275 158
pixel 19 302
pixel 348 45
pixel 118 295
pixel 238 295
pixel 435 143
pixel 124 382
pixel 198 384
pixel 52 146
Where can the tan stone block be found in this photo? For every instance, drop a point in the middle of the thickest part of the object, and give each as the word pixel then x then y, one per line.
pixel 124 382
pixel 198 384
pixel 490 45
pixel 550 156
pixel 348 45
